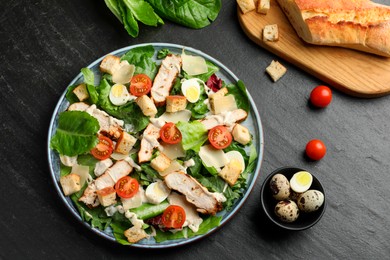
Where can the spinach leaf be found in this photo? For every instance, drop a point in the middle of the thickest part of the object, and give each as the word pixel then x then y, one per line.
pixel 75 134
pixel 141 58
pixel 195 14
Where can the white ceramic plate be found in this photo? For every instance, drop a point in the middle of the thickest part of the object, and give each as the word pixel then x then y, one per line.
pixel 253 123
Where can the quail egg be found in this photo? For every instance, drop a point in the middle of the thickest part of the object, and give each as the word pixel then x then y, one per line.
pixel 280 187
pixel 301 181
pixel 287 211
pixel 310 200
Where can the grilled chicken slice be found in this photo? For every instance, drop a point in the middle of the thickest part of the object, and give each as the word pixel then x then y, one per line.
pixel 162 84
pixel 108 179
pixel 109 125
pixel 228 118
pixel 206 202
pixel 149 141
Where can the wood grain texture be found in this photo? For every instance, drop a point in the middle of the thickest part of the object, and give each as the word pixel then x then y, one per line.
pixel 353 72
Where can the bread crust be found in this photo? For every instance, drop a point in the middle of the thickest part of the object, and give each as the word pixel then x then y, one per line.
pixel 356 24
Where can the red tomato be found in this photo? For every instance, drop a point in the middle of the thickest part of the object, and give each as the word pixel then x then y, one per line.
pixel 140 84
pixel 321 96
pixel 315 149
pixel 220 137
pixel 173 217
pixel 170 134
pixel 126 187
pixel 103 149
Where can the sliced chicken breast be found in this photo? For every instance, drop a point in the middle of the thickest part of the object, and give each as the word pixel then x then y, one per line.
pixel 162 84
pixel 108 179
pixel 149 141
pixel 206 202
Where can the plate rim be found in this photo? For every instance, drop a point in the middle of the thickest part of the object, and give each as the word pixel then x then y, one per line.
pixel 179 242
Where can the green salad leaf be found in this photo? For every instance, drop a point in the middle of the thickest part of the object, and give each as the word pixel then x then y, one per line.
pixel 194 14
pixel 130 113
pixel 240 95
pixel 141 58
pixel 207 224
pixel 130 12
pixel 97 217
pixel 194 134
pixel 75 134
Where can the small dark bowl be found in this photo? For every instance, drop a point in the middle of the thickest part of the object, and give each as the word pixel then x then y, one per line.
pixel 305 220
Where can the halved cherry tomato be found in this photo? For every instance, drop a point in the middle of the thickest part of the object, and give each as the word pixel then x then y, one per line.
pixel 315 149
pixel 126 187
pixel 220 137
pixel 321 96
pixel 170 134
pixel 103 149
pixel 140 85
pixel 173 217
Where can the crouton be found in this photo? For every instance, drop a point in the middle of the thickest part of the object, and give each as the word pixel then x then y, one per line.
pixel 176 103
pixel 276 70
pixel 263 6
pixel 81 92
pixel 147 105
pixel 70 183
pixel 231 172
pixel 271 33
pixel 241 134
pixel 107 196
pixel 246 5
pixel 161 162
pixel 125 143
pixel 135 234
pixel 110 64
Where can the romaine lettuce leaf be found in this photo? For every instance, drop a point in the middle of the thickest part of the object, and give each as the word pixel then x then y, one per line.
pixel 207 224
pixel 194 134
pixel 130 113
pixel 240 95
pixel 191 13
pixel 75 134
pixel 141 58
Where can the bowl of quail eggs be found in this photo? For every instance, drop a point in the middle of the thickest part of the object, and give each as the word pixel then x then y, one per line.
pixel 293 198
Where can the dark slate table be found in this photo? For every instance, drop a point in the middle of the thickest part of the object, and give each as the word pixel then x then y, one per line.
pixel 43 46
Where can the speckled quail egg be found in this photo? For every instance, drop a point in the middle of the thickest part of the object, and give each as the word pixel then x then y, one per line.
pixel 287 211
pixel 280 187
pixel 310 200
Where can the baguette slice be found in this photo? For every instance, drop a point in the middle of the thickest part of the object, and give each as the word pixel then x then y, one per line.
pixel 356 24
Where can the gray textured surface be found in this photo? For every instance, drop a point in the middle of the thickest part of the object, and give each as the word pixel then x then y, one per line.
pixel 43 46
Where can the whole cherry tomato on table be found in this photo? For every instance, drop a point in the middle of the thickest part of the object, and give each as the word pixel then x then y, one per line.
pixel 315 149
pixel 321 96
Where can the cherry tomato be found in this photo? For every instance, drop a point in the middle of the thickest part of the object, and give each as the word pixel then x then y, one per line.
pixel 126 187
pixel 220 137
pixel 103 149
pixel 315 149
pixel 321 96
pixel 170 134
pixel 173 217
pixel 140 84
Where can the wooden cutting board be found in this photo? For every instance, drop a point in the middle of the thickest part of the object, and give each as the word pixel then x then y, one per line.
pixel 353 72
